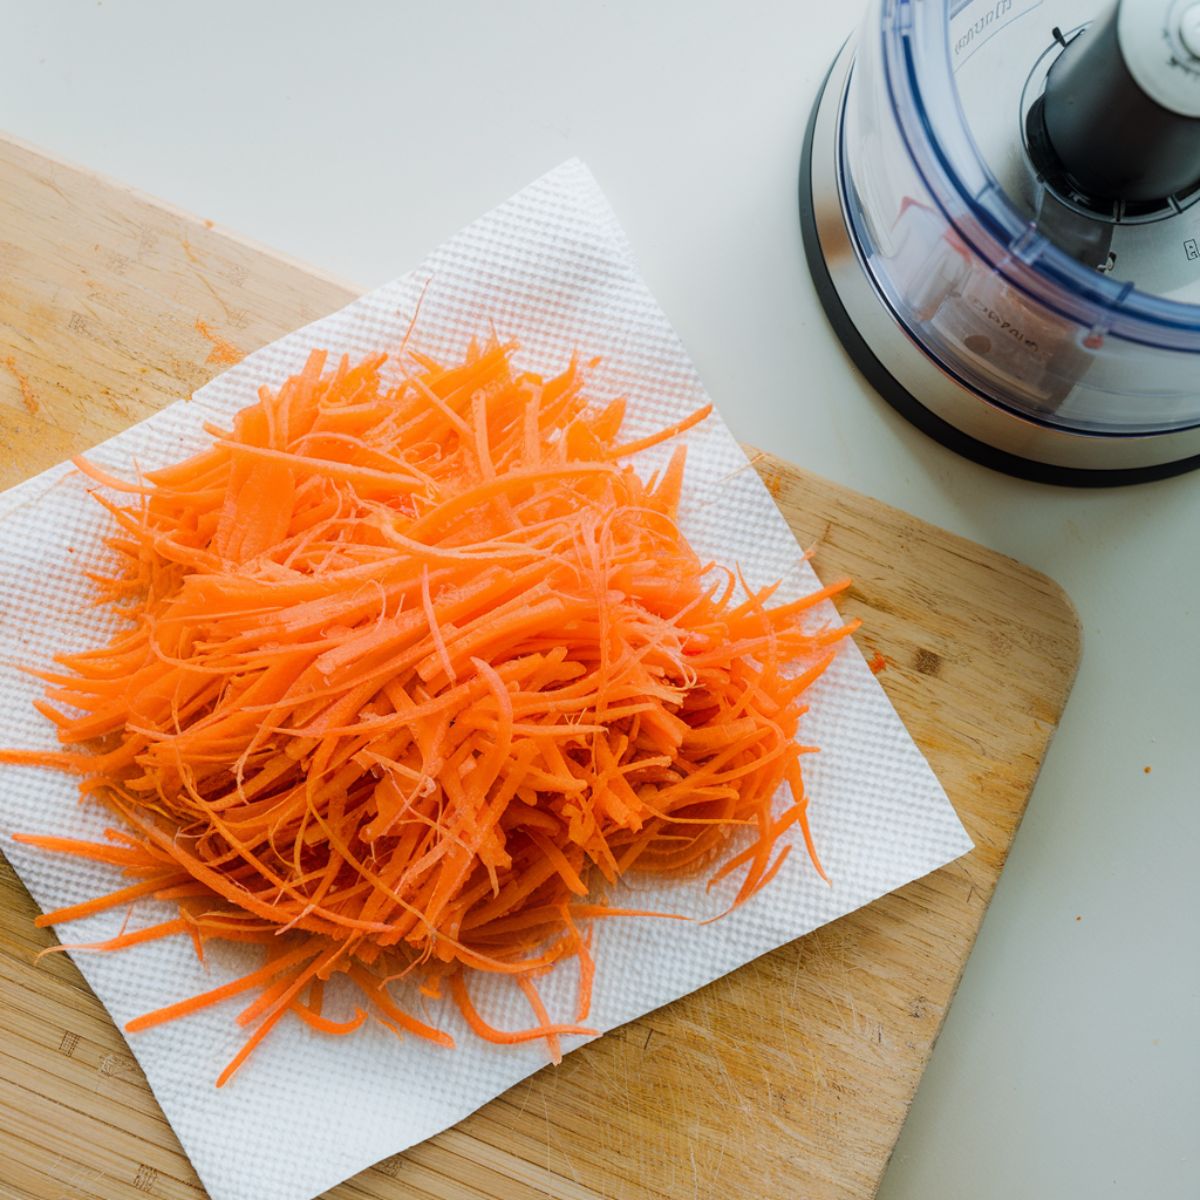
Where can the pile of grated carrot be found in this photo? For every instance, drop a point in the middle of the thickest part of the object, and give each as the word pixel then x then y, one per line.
pixel 415 668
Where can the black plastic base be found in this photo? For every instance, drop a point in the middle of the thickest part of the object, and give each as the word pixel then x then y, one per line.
pixel 907 405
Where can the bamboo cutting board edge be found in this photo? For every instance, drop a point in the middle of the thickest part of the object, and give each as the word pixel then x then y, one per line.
pixel 104 291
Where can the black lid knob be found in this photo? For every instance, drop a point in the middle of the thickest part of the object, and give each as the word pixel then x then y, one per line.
pixel 1096 132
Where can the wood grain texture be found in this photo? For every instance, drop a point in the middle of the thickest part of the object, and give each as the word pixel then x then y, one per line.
pixel 788 1078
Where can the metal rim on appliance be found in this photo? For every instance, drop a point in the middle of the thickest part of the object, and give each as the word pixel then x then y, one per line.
pixel 950 411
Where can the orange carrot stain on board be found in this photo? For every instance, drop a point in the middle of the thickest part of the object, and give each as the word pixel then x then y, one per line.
pixel 27 396
pixel 878 663
pixel 187 249
pixel 207 223
pixel 222 351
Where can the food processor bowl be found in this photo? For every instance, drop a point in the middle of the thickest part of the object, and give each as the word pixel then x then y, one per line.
pixel 1006 243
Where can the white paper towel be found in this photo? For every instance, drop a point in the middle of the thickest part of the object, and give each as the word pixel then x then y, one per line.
pixel 551 267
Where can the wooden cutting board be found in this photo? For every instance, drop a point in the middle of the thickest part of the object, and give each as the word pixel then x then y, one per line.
pixel 787 1079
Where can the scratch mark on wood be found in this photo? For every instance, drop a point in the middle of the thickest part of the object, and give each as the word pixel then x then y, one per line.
pixel 216 296
pixel 55 188
pixel 147 241
pixel 524 1100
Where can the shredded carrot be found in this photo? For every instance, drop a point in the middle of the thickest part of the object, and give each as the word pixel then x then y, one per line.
pixel 416 667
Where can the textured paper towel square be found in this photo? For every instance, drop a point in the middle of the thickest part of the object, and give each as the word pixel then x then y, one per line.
pixel 552 267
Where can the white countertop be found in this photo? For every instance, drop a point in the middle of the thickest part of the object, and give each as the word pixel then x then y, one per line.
pixel 1070 1063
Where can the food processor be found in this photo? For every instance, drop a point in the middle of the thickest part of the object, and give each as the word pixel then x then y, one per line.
pixel 1000 202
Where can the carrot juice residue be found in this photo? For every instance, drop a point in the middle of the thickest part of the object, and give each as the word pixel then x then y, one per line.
pixel 223 352
pixel 27 396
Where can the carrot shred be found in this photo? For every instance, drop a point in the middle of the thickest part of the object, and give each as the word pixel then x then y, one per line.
pixel 124 940
pixel 224 992
pixel 325 1025
pixel 503 1037
pixel 414 667
pixel 553 1041
pixel 89 907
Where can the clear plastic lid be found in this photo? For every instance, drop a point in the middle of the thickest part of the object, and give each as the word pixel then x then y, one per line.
pixel 957 228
